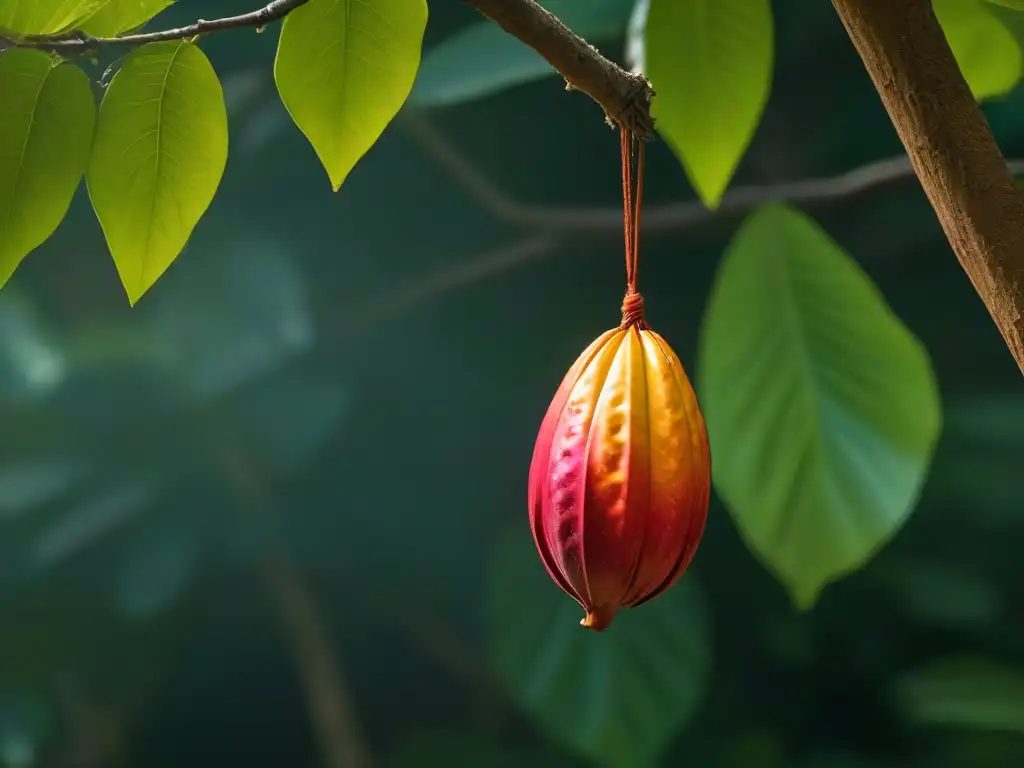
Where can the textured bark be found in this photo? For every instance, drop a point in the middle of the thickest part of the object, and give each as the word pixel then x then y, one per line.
pixel 950 147
pixel 625 96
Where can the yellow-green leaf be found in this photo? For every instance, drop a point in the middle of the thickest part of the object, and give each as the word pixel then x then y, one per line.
pixel 822 408
pixel 343 70
pixel 44 17
pixel 160 151
pixel 47 115
pixel 115 17
pixel 1017 5
pixel 710 62
pixel 987 52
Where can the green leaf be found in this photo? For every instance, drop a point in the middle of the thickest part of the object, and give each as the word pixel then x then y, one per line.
pixel 344 69
pixel 115 17
pixel 710 62
pixel 237 311
pixel 44 17
pixel 47 116
pixel 88 522
pixel 1017 5
pixel 160 151
pixel 965 692
pixel 617 697
pixel 156 572
pixel 482 59
pixel 822 408
pixel 987 52
pixel 28 484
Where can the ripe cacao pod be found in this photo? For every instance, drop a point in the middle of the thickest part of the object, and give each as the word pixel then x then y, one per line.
pixel 621 472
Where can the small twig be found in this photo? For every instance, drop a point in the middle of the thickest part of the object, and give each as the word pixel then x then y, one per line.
pixel 78 42
pixel 323 680
pixel 324 683
pixel 551 224
pixel 872 177
pixel 468 272
pixel 625 96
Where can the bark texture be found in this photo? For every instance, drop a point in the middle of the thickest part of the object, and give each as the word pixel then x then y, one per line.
pixel 950 146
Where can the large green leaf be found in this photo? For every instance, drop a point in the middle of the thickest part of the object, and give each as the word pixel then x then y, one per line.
pixel 44 17
pixel 47 116
pixel 482 59
pixel 710 62
pixel 617 697
pixel 965 692
pixel 822 408
pixel 987 52
pixel 344 69
pixel 160 151
pixel 114 17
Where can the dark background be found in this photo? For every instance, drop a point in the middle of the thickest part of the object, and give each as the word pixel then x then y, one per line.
pixel 298 467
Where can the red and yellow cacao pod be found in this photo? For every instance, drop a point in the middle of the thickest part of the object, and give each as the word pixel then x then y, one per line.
pixel 621 472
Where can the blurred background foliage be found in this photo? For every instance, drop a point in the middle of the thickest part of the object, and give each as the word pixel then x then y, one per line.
pixel 274 516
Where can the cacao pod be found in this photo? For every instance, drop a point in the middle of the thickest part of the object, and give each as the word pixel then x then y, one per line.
pixel 621 473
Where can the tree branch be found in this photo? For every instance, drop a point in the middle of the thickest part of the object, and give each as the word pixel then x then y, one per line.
pixel 550 225
pixel 870 178
pixel 78 42
pixel 625 96
pixel 950 147
pixel 323 680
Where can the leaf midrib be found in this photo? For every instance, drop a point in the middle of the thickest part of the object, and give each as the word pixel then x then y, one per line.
pixel 810 377
pixel 144 261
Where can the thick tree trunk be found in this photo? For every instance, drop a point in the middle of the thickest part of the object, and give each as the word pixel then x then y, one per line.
pixel 950 146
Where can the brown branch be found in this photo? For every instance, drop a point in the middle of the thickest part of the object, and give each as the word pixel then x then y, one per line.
pixel 870 178
pixel 551 224
pixel 951 149
pixel 625 96
pixel 78 42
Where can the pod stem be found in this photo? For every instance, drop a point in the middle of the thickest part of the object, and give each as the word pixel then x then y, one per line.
pixel 632 195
